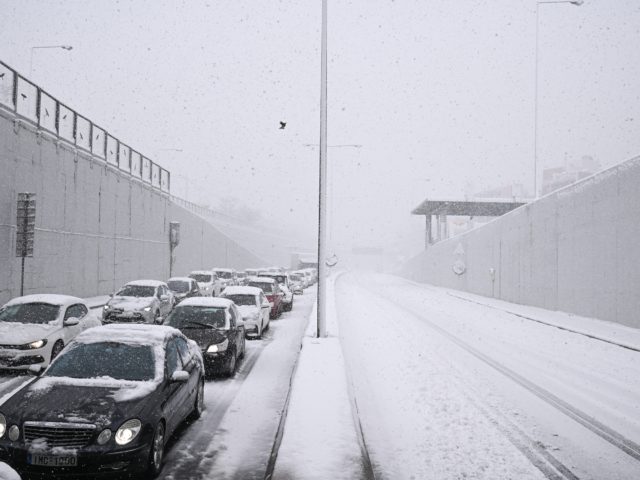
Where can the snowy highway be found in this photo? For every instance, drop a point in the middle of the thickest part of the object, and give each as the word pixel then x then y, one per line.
pixel 448 388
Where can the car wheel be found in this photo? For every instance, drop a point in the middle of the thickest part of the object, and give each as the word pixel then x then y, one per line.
pixel 57 348
pixel 156 317
pixel 259 334
pixel 198 406
pixel 156 455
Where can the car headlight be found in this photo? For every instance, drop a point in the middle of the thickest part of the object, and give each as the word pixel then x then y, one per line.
pixel 106 307
pixel 3 425
pixel 37 343
pixel 14 433
pixel 147 309
pixel 218 347
pixel 128 431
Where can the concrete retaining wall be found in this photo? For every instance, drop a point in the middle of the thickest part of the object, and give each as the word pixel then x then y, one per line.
pixel 95 227
pixel 575 250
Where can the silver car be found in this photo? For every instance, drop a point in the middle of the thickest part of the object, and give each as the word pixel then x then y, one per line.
pixel 141 301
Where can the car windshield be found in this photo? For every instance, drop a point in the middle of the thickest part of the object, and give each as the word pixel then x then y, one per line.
pixel 242 299
pixel 224 274
pixel 201 277
pixel 136 291
pixel 178 286
pixel 189 316
pixel 30 313
pixel 105 359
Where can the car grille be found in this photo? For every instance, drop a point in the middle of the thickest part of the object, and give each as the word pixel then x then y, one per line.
pixel 70 435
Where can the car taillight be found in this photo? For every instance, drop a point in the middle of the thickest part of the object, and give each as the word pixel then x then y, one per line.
pixel 270 297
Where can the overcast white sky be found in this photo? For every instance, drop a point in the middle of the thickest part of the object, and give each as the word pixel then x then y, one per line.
pixel 439 93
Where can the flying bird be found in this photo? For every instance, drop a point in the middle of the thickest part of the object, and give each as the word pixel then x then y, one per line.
pixel 23 96
pixel 282 125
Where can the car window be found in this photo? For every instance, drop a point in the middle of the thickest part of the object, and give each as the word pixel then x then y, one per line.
pixel 183 350
pixel 78 311
pixel 232 317
pixel 173 361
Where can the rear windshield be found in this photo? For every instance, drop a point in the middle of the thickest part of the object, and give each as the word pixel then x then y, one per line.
pixel 266 287
pixel 178 286
pixel 242 299
pixel 105 359
pixel 201 277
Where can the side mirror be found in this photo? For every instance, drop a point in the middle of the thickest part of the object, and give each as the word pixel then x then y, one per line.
pixel 71 321
pixel 180 376
pixel 266 305
pixel 35 369
pixel 164 298
pixel 240 323
pixel 298 291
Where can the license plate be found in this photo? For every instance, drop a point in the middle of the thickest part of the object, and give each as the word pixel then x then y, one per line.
pixel 52 460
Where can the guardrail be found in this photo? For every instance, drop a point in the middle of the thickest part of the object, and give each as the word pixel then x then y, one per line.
pixel 34 105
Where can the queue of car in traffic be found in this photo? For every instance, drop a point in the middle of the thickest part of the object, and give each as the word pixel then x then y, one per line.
pixel 108 392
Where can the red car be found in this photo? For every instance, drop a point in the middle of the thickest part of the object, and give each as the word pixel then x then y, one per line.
pixel 272 290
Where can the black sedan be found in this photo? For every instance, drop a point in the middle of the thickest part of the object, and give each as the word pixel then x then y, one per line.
pixel 216 326
pixel 107 404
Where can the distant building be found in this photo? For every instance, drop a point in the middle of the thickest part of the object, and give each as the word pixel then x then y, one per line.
pixel 558 177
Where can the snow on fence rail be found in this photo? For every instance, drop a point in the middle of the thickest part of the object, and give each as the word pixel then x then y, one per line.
pixel 32 104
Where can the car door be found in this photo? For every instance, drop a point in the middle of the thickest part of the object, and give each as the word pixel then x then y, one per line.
pixel 70 331
pixel 190 365
pixel 234 330
pixel 265 309
pixel 165 301
pixel 176 393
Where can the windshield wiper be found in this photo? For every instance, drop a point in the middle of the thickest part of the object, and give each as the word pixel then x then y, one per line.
pixel 200 324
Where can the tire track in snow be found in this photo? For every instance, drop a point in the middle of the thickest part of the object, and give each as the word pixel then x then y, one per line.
pixel 608 434
pixel 184 460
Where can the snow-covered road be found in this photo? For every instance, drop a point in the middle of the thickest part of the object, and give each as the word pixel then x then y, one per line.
pixel 449 389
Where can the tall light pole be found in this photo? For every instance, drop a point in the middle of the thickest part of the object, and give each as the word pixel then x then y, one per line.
pixel 322 182
pixel 577 3
pixel 63 47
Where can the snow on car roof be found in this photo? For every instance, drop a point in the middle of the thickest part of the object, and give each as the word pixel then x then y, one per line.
pixel 147 283
pixel 242 290
pixel 53 299
pixel 180 279
pixel 200 272
pixel 261 279
pixel 230 270
pixel 206 302
pixel 137 334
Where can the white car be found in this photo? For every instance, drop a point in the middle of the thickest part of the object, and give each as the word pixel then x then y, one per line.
pixel 227 276
pixel 140 301
pixel 253 306
pixel 35 328
pixel 209 283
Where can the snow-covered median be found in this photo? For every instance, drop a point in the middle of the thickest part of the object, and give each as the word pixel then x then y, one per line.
pixel 320 440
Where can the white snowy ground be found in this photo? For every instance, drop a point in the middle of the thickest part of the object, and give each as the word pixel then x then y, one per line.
pixel 448 388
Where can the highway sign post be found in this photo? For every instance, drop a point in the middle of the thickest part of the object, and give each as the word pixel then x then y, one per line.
pixel 25 230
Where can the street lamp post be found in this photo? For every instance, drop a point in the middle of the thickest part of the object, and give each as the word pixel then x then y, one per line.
pixel 63 47
pixel 577 3
pixel 322 182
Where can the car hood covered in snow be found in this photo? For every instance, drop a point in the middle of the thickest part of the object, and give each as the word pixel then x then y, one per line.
pixel 62 399
pixel 22 333
pixel 130 303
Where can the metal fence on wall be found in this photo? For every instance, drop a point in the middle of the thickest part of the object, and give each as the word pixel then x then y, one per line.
pixel 36 106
